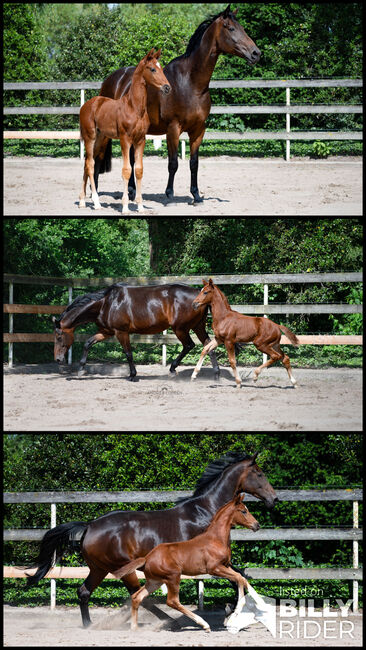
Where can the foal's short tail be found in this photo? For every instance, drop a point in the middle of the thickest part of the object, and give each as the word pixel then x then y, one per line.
pixel 56 541
pixel 130 567
pixel 290 335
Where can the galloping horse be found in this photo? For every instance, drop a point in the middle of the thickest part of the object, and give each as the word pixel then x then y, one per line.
pixel 231 328
pixel 188 105
pixel 127 119
pixel 121 310
pixel 114 539
pixel 208 552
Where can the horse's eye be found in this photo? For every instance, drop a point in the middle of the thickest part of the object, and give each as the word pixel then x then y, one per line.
pixel 152 69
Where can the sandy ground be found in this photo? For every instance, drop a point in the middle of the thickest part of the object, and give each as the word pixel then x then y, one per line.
pixel 230 186
pixel 39 626
pixel 39 398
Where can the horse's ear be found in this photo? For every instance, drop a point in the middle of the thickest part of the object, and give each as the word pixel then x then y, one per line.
pixel 226 12
pixel 252 462
pixel 235 11
pixel 56 323
pixel 150 54
pixel 204 282
pixel 158 53
pixel 210 282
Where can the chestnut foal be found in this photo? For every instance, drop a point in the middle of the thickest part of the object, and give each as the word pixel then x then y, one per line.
pixel 230 327
pixel 208 552
pixel 126 119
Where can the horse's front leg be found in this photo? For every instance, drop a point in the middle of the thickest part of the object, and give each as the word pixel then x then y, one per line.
pixel 172 138
pixel 208 348
pixel 126 170
pixel 131 182
pixel 139 151
pixel 89 172
pixel 195 139
pixel 100 336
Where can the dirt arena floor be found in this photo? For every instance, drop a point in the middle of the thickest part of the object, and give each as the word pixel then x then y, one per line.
pixel 230 186
pixel 40 398
pixel 163 626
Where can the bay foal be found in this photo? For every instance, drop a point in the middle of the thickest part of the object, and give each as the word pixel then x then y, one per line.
pixel 230 327
pixel 208 552
pixel 126 119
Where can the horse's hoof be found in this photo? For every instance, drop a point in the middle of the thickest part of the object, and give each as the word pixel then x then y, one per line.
pixel 131 193
pixel 82 372
pixel 169 194
pixel 140 208
pixel 82 204
pixel 172 374
pixel 207 629
pixel 134 379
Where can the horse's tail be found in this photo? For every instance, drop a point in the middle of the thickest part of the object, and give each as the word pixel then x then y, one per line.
pixel 54 541
pixel 105 164
pixel 290 335
pixel 130 567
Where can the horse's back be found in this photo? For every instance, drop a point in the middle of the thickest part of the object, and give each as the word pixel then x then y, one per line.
pixel 118 83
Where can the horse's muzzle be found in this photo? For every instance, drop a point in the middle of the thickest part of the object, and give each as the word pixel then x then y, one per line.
pixel 166 89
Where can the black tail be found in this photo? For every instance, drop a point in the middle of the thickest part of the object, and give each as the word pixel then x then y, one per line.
pixel 55 540
pixel 106 163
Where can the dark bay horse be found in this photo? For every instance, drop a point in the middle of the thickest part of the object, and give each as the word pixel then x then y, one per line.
pixel 230 327
pixel 208 552
pixel 122 310
pixel 126 119
pixel 116 538
pixel 188 105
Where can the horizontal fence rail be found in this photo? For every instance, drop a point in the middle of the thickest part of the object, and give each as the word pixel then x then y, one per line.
pixel 169 339
pixel 287 109
pixel 354 534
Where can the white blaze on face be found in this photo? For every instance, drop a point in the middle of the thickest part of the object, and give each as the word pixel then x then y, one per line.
pixel 158 64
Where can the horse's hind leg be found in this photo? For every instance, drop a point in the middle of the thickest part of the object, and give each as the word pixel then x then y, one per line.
pixel 89 166
pixel 231 354
pixel 84 592
pixel 124 340
pixel 274 351
pixel 174 602
pixel 138 597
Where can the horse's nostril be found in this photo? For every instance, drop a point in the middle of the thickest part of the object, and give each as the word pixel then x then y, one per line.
pixel 166 89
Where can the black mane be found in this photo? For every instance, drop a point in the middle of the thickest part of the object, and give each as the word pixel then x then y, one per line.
pixel 214 470
pixel 196 38
pixel 86 298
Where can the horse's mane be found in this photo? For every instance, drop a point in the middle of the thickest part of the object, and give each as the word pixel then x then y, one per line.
pixel 214 470
pixel 196 38
pixel 81 301
pixel 223 297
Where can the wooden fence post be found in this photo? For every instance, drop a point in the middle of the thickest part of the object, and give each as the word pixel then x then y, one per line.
pixel 53 581
pixel 287 125
pixel 11 323
pixel 355 558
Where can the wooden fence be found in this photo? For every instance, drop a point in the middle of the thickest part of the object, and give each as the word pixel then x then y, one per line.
pixel 353 534
pixel 165 339
pixel 287 109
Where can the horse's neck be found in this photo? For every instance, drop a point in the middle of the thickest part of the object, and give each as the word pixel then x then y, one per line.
pixel 204 60
pixel 219 306
pixel 75 317
pixel 220 526
pixel 223 489
pixel 137 94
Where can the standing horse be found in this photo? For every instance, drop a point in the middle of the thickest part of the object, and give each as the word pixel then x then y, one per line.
pixel 188 105
pixel 230 328
pixel 121 310
pixel 116 538
pixel 208 552
pixel 127 119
